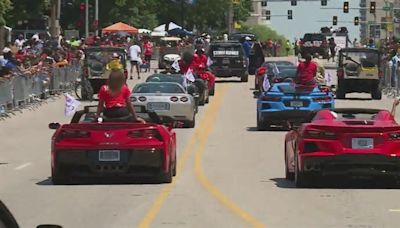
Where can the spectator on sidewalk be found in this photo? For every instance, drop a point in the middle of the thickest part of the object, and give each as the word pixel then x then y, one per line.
pixel 135 57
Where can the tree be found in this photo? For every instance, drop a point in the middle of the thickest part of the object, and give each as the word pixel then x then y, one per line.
pixel 5 5
pixel 26 11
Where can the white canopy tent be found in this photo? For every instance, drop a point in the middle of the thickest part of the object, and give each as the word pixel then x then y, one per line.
pixel 162 33
pixel 143 31
pixel 162 28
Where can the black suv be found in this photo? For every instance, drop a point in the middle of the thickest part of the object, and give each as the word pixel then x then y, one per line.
pixel 228 59
pixel 314 43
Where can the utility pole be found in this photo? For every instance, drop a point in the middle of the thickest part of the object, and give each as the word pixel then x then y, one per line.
pixel 230 19
pixel 96 16
pixel 55 18
pixel 87 18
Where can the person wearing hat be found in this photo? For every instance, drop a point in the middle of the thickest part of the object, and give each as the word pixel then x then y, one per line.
pixel 115 63
pixel 247 48
pixel 199 58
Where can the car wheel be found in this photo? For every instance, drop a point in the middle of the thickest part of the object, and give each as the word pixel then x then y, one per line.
pixel 376 93
pixel 262 126
pixel 212 91
pixel 175 166
pixel 340 94
pixel 301 179
pixel 244 77
pixel 207 100
pixel 202 99
pixel 58 178
pixel 192 123
pixel 167 177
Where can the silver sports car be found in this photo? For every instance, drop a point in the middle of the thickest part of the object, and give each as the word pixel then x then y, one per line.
pixel 166 99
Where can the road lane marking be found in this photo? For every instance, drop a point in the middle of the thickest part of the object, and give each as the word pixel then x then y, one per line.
pixel 23 166
pixel 394 210
pixel 206 183
pixel 163 195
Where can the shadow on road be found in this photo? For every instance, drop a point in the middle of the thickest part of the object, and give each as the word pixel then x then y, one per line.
pixel 274 129
pixel 102 181
pixel 355 99
pixel 336 183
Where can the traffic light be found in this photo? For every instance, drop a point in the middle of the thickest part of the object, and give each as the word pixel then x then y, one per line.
pixel 345 7
pixel 268 15
pixel 290 14
pixel 334 21
pixel 293 2
pixel 356 21
pixel 372 7
pixel 324 2
pixel 263 3
pixel 82 7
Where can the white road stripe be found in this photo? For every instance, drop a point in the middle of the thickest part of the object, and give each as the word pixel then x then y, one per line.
pixel 394 210
pixel 23 166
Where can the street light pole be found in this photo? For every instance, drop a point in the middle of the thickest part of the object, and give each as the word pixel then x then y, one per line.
pixel 87 18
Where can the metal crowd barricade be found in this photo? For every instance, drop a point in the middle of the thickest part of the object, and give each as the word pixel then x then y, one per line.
pixel 6 97
pixel 24 90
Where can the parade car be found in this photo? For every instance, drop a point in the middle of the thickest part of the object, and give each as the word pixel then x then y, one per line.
pixel 347 142
pixel 286 101
pixel 113 149
pixel 166 99
pixel 191 88
pixel 271 69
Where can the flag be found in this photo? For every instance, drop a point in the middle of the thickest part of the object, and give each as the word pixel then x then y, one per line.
pixel 276 69
pixel 189 75
pixel 175 65
pixel 71 104
pixel 266 84
pixel 209 62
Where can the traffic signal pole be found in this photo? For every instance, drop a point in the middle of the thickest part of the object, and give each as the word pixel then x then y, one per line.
pixel 96 16
pixel 87 18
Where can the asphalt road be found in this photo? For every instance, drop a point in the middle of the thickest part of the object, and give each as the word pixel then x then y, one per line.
pixel 229 175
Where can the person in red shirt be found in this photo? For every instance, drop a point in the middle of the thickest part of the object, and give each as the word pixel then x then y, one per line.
pixel 199 58
pixel 114 98
pixel 207 76
pixel 306 72
pixel 148 51
pixel 186 62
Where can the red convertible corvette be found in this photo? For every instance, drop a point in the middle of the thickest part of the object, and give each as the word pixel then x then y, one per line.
pixel 355 142
pixel 88 149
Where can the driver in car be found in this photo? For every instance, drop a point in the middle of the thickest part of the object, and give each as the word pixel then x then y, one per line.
pixel 114 99
pixel 115 63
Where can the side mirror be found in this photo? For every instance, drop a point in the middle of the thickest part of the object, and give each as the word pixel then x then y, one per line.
pixel 54 126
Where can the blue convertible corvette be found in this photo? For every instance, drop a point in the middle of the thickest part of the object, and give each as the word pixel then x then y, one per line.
pixel 286 102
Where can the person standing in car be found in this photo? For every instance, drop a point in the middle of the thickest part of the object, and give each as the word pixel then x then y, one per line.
pixel 306 72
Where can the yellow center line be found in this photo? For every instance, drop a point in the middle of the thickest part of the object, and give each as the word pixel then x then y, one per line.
pixel 206 183
pixel 165 191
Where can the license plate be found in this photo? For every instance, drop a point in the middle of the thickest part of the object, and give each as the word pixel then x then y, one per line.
pixel 225 61
pixel 154 106
pixel 296 104
pixel 109 155
pixel 362 143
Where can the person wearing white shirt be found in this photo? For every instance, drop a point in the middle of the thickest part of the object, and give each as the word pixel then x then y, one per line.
pixel 135 57
pixel 395 68
pixel 19 42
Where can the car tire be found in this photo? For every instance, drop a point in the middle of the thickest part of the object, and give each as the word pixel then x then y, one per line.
pixel 192 123
pixel 59 179
pixel 376 93
pixel 175 166
pixel 301 180
pixel 212 91
pixel 167 177
pixel 340 94
pixel 244 77
pixel 262 126
pixel 207 100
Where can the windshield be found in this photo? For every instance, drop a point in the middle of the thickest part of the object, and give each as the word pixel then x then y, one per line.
pixel 293 89
pixel 365 59
pixel 165 78
pixel 287 72
pixel 158 88
pixel 314 37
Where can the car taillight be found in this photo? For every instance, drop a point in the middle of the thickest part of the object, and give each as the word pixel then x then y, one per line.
pixel 322 99
pixel 394 135
pixel 70 134
pixel 145 134
pixel 320 134
pixel 174 99
pixel 270 98
pixel 133 99
pixel 340 73
pixel 184 99
pixel 142 99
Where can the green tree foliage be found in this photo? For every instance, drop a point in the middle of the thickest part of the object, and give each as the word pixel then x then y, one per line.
pixel 5 5
pixel 26 10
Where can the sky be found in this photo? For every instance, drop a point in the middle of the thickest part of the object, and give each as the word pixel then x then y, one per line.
pixel 307 14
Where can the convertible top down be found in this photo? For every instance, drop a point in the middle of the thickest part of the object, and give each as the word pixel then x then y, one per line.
pixel 355 142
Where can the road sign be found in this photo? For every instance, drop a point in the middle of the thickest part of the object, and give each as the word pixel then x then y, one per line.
pixel 387 8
